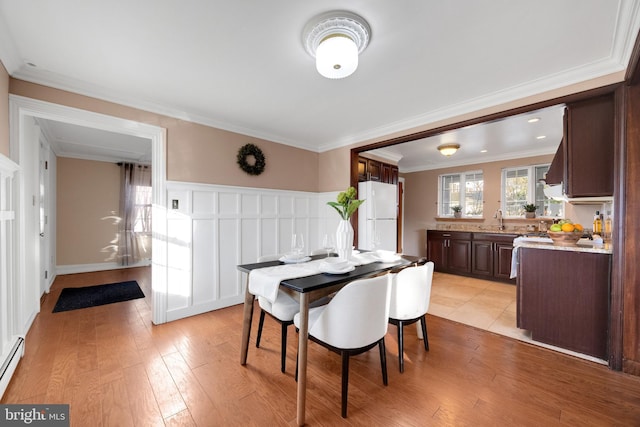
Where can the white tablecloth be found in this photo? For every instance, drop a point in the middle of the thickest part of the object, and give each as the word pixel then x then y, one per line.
pixel 266 281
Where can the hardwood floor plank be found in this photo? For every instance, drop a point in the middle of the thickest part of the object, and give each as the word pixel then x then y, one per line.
pixel 202 410
pixel 115 404
pixel 164 388
pixel 141 398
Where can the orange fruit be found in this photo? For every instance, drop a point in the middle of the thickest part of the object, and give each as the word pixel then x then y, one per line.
pixel 578 227
pixel 568 227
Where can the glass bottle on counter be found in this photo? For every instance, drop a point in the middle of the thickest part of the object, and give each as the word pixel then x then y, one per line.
pixel 597 223
pixel 607 228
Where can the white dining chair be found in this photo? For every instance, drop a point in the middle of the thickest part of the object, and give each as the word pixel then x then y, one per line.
pixel 410 297
pixel 353 322
pixel 282 310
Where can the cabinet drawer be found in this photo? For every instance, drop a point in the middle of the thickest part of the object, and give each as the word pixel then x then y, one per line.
pixel 453 235
pixel 495 237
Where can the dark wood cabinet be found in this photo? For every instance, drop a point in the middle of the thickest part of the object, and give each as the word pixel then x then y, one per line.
pixel 449 251
pixel 362 169
pixel 373 170
pixel 563 298
pixel 481 255
pixel 584 160
pixel 491 255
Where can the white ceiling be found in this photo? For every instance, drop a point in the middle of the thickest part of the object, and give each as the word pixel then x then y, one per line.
pixel 241 65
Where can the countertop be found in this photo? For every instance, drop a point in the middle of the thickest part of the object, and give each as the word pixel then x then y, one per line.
pixel 583 245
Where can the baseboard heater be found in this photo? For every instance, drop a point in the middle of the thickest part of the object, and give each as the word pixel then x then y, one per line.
pixel 10 364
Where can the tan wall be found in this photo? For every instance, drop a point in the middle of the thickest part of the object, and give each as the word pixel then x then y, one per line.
pixel 198 153
pixel 335 170
pixel 87 202
pixel 4 111
pixel 421 197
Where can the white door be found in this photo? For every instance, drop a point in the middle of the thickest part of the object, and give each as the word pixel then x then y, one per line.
pixel 45 240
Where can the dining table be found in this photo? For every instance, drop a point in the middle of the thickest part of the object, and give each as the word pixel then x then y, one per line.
pixel 307 290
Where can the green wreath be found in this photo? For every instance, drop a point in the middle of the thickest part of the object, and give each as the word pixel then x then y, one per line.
pixel 258 165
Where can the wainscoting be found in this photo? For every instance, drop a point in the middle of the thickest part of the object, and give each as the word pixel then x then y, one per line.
pixel 211 229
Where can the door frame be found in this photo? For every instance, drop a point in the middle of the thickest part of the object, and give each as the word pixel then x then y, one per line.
pixel 22 108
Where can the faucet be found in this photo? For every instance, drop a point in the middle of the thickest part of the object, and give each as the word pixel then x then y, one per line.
pixel 498 215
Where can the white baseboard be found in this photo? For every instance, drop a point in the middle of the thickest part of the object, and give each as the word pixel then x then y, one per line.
pixel 87 268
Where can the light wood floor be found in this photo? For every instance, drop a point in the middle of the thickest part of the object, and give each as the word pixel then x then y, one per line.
pixel 116 369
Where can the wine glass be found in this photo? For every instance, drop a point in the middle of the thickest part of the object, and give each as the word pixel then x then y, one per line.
pixel 328 243
pixel 297 244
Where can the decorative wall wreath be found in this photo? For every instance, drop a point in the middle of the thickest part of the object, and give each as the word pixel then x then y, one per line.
pixel 258 165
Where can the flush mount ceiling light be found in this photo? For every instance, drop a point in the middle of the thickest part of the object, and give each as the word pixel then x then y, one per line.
pixel 448 149
pixel 336 39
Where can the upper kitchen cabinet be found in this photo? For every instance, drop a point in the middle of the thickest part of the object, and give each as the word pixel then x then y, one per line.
pixel 584 160
pixel 373 170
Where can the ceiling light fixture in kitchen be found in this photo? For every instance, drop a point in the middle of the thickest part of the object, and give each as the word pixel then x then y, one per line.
pixel 336 39
pixel 448 149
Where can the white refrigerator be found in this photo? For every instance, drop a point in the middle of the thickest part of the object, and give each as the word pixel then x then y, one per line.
pixel 377 216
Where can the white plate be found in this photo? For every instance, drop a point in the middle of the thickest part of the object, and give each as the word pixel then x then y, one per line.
pixel 324 268
pixel 290 260
pixel 387 256
pixel 335 263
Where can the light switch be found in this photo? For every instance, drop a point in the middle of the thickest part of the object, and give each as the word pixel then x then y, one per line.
pixel 174 204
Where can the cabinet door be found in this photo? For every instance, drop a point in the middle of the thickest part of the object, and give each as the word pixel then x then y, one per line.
pixel 502 260
pixel 386 173
pixel 374 170
pixel 362 169
pixel 394 175
pixel 436 252
pixel 588 147
pixel 459 256
pixel 482 258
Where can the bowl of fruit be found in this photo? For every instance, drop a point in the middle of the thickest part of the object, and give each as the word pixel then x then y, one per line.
pixel 565 233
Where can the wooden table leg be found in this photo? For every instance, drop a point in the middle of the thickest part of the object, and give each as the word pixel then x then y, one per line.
pixel 246 323
pixel 302 356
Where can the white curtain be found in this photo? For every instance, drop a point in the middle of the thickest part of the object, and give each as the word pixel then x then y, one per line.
pixel 134 228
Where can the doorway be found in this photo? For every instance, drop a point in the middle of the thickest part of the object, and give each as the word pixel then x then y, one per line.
pixel 23 111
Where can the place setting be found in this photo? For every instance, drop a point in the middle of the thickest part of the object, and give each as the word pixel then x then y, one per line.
pixel 297 255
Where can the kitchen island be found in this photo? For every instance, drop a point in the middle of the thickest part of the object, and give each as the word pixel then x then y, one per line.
pixel 563 294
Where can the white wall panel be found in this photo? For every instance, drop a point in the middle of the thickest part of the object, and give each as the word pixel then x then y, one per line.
pixel 228 203
pixel 285 205
pixel 250 246
pixel 204 260
pixel 179 287
pixel 228 255
pixel 250 204
pixel 269 237
pixel 301 206
pixel 216 228
pixel 269 204
pixel 285 231
pixel 203 202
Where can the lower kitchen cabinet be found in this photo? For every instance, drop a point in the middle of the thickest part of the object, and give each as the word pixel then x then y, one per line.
pixel 449 251
pixel 491 255
pixel 563 298
pixel 481 255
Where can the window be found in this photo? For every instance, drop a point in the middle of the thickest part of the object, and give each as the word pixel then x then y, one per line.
pixel 521 185
pixel 461 189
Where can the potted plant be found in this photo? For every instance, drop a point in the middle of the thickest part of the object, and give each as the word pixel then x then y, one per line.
pixel 346 205
pixel 530 210
pixel 457 211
